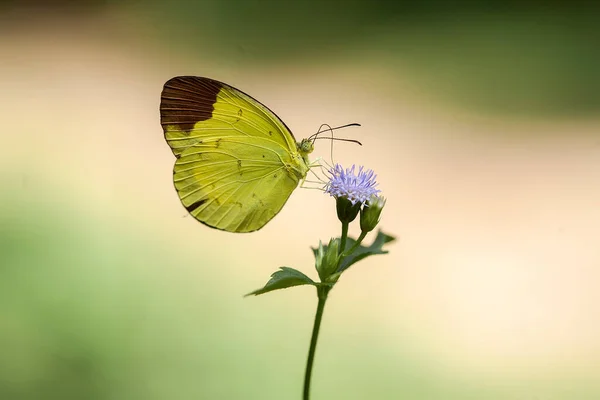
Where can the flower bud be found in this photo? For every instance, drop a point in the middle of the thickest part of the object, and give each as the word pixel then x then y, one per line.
pixel 346 211
pixel 370 213
pixel 327 259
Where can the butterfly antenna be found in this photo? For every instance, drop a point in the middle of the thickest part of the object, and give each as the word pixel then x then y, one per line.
pixel 329 129
pixel 316 136
pixel 340 140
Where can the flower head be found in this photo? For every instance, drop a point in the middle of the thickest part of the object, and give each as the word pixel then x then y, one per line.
pixel 356 187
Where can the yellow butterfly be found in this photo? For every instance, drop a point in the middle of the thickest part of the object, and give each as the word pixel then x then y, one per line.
pixel 237 162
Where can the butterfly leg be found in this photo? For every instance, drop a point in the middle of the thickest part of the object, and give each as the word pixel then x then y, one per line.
pixel 320 182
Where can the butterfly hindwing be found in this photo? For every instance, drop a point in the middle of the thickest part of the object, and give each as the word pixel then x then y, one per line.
pixel 226 190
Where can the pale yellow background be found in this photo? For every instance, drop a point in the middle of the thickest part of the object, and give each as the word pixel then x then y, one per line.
pixel 111 291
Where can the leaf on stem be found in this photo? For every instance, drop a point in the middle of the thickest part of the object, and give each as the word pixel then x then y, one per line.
pixel 362 252
pixel 284 278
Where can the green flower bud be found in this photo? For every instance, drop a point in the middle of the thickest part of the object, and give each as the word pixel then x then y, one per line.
pixel 327 259
pixel 370 213
pixel 346 211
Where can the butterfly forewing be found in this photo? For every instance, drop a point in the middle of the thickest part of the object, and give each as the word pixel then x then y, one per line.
pixel 237 162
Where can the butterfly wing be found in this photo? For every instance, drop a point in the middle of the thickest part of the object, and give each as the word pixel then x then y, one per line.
pixel 237 162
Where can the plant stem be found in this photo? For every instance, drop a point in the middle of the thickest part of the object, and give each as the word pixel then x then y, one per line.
pixel 357 243
pixel 344 237
pixel 322 292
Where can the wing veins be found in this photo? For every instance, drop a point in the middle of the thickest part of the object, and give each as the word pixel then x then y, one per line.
pixel 212 199
pixel 214 174
pixel 261 162
pixel 224 177
pixel 267 113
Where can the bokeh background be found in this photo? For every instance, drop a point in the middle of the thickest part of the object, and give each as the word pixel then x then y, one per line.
pixel 481 121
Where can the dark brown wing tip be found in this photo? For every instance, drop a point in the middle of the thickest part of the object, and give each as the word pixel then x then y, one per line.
pixel 186 100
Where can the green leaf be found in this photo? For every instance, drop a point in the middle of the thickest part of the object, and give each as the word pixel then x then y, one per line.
pixel 363 252
pixel 282 279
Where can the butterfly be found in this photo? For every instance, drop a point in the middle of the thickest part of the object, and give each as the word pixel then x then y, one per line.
pixel 237 162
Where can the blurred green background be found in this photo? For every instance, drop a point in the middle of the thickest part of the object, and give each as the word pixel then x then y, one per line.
pixel 481 122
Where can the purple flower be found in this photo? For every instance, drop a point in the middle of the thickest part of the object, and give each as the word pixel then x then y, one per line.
pixel 357 188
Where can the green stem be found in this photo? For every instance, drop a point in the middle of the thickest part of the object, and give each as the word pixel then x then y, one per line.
pixel 322 293
pixel 344 237
pixel 362 236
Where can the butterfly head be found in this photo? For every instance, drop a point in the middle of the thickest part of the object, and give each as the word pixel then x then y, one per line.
pixel 305 147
